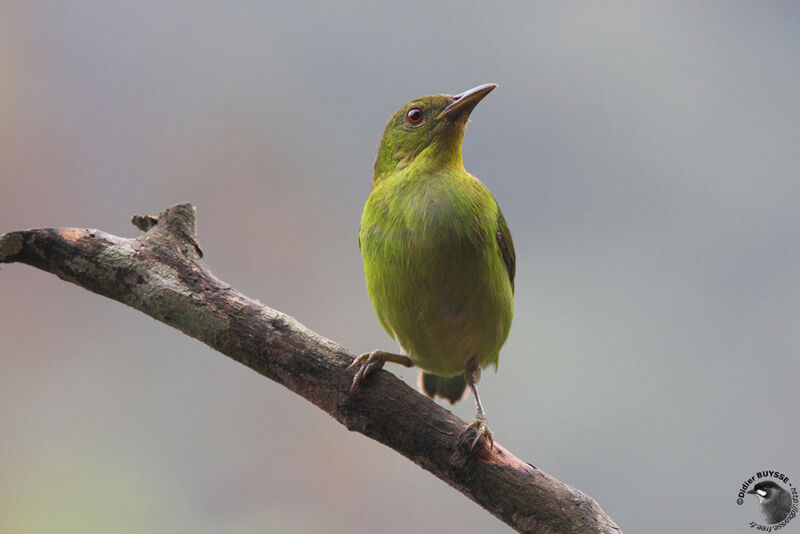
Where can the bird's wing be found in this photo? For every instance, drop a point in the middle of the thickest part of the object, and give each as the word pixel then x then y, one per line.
pixel 506 246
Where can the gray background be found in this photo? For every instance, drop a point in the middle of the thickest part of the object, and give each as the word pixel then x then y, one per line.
pixel 646 157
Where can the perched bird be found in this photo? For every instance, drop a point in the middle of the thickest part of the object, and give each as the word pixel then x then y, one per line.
pixel 776 502
pixel 438 256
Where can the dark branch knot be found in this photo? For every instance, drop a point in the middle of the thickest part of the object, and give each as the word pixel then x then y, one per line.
pixel 179 221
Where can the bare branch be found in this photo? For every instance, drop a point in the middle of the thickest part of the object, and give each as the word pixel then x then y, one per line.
pixel 160 274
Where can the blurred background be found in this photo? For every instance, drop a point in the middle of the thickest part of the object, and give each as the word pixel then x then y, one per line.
pixel 645 156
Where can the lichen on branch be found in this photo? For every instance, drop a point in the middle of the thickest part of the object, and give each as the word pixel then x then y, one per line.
pixel 161 274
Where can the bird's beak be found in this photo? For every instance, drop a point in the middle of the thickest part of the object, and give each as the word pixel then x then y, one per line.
pixel 466 101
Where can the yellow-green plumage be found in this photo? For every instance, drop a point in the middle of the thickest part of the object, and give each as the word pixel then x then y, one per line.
pixel 438 255
pixel 434 270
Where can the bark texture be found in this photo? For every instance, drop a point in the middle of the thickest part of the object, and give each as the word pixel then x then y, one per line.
pixel 161 274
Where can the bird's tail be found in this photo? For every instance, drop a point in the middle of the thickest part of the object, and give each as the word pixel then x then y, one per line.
pixel 451 388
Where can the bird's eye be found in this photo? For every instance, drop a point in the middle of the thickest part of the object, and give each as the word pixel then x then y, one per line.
pixel 414 116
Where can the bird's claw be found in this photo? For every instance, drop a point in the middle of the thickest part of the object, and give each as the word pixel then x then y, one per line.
pixel 366 363
pixel 481 428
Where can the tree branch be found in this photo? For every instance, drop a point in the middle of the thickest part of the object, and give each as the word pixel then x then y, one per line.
pixel 160 274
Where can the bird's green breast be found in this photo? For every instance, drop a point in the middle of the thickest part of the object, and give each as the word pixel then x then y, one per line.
pixel 434 273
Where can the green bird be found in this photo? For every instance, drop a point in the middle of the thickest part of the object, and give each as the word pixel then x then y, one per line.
pixel 438 256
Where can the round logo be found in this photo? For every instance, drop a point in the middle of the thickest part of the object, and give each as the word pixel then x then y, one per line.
pixel 773 497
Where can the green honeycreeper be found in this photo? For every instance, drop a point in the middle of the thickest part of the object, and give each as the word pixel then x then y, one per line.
pixel 438 255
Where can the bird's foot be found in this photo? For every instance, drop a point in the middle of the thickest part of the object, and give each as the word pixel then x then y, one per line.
pixel 370 361
pixel 480 427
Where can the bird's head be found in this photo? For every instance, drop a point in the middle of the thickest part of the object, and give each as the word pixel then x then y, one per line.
pixel 766 490
pixel 428 129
